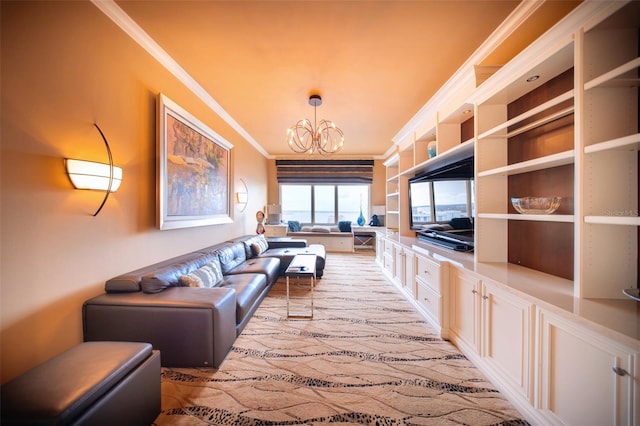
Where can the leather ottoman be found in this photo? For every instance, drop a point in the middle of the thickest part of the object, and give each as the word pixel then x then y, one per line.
pixel 94 383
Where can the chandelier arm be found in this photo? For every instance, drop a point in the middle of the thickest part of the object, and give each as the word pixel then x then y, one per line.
pixel 323 138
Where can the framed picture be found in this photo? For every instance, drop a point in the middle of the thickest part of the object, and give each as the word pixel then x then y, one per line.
pixel 192 171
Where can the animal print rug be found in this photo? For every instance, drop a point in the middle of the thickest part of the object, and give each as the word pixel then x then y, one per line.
pixel 365 358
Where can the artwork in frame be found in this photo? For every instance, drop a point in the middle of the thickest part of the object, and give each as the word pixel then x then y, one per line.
pixel 192 170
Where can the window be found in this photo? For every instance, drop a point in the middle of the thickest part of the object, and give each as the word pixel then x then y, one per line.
pixel 296 202
pixel 350 199
pixel 324 204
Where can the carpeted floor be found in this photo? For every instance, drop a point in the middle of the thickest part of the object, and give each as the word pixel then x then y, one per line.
pixel 366 357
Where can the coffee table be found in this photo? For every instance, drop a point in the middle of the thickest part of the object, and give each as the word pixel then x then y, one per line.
pixel 303 266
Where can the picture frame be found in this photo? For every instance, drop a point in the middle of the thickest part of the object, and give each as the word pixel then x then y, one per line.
pixel 193 169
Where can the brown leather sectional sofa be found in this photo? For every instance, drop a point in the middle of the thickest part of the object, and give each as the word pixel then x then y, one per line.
pixel 193 326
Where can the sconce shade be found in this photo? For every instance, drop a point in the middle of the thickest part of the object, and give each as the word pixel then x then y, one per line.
pixel 242 197
pixel 92 175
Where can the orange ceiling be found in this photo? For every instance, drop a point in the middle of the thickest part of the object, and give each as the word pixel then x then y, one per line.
pixel 375 63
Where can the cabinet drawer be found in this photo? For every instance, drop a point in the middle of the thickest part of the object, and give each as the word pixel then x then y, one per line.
pixel 429 272
pixel 429 299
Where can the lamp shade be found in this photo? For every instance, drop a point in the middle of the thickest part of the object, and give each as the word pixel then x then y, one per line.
pixel 92 175
pixel 275 209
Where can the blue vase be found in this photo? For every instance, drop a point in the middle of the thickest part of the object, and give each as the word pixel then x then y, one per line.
pixel 361 219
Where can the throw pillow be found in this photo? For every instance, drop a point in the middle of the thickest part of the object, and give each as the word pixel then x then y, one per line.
pixel 294 226
pixel 344 226
pixel 217 271
pixel 206 276
pixel 259 245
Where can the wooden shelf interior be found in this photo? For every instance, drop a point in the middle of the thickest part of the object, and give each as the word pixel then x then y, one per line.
pixel 546 246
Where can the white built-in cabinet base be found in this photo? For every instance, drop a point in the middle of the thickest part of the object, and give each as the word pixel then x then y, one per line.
pixel 553 365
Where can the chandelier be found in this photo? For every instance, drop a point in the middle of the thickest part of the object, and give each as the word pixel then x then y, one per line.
pixel 323 138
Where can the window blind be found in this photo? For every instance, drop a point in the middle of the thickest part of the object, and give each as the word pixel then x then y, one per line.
pixel 324 171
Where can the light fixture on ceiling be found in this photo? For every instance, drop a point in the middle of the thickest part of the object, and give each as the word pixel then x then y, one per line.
pixel 532 78
pixel 93 175
pixel 323 138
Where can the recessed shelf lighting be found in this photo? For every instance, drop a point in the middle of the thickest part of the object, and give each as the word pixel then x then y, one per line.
pixel 532 78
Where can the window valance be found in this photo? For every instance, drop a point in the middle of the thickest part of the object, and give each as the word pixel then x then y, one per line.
pixel 325 171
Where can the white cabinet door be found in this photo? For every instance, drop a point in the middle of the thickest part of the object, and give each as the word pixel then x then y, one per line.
pixel 398 272
pixel 508 338
pixel 465 305
pixel 585 378
pixel 388 257
pixel 379 249
pixel 409 282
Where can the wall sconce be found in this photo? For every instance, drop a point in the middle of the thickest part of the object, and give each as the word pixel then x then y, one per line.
pixel 93 175
pixel 242 196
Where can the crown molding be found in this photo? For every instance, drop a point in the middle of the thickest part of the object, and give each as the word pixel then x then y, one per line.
pixel 131 28
pixel 461 77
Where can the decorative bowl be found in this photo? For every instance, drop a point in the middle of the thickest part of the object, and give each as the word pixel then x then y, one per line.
pixel 536 205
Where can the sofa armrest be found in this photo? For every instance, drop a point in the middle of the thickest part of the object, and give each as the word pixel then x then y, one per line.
pixel 192 327
pixel 286 242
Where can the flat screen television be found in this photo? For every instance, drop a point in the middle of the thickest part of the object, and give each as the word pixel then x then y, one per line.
pixel 441 203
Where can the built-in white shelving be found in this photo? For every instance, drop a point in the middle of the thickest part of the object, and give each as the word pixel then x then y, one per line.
pixel 541 163
pixel 559 119
pixel 565 218
pixel 501 129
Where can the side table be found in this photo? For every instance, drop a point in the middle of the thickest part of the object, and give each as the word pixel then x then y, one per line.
pixel 303 266
pixel 364 237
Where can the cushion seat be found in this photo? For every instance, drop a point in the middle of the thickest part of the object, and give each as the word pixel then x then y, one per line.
pixel 248 288
pixel 258 265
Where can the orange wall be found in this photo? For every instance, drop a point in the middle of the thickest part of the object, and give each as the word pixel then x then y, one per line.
pixel 64 66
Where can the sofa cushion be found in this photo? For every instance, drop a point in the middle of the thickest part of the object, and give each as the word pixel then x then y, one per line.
pixel 168 274
pixel 248 288
pixel 208 275
pixel 231 256
pixel 269 266
pixel 322 229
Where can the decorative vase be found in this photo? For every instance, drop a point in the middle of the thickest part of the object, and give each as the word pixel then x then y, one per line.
pixel 431 149
pixel 361 218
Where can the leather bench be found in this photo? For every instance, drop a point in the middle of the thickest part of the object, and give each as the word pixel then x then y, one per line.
pixel 94 383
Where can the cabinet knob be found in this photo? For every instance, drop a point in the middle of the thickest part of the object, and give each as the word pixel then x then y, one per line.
pixel 620 371
pixel 474 291
pixel 426 299
pixel 427 272
pixel 485 297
